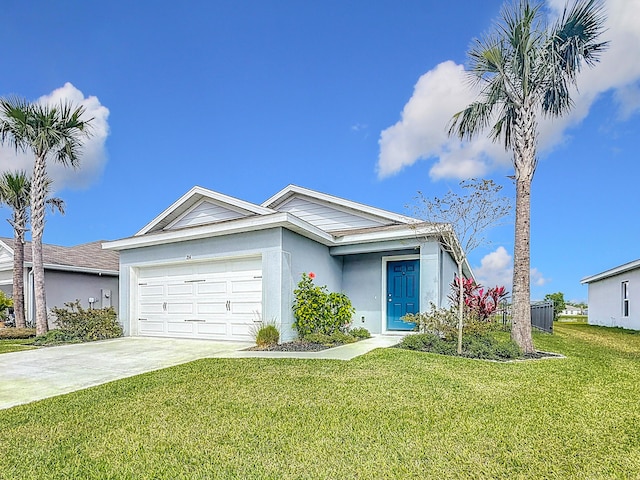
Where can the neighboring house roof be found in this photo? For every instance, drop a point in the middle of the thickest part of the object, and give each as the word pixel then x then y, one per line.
pixel 88 257
pixel 611 272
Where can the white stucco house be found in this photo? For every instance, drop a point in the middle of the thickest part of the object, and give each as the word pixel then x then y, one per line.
pixel 614 295
pixel 210 266
pixel 83 272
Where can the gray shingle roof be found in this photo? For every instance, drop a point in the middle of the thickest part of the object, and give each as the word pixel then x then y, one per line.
pixel 87 255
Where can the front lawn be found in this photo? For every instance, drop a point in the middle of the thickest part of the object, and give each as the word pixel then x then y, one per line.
pixel 16 344
pixel 389 414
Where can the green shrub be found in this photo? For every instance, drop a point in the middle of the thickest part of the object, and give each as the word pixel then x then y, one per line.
pixel 473 346
pixel 267 336
pixel 87 325
pixel 16 333
pixel 317 311
pixel 442 322
pixel 336 338
pixel 360 333
pixel 428 342
pixel 56 337
pixel 5 303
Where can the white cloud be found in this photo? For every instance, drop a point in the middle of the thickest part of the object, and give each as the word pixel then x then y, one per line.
pixel 537 278
pixel 93 157
pixel 496 269
pixel 440 93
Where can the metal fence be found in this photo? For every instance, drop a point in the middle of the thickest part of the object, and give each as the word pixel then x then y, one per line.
pixel 542 316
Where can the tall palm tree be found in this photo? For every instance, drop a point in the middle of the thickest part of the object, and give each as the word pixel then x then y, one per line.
pixel 14 192
pixel 15 188
pixel 49 133
pixel 526 68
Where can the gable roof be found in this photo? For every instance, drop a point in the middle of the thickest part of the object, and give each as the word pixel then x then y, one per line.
pixel 291 191
pixel 87 257
pixel 195 197
pixel 612 271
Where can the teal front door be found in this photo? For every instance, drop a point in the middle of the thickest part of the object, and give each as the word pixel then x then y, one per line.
pixel 403 292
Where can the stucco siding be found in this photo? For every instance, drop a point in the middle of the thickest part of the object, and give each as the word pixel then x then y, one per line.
pixel 63 287
pixel 605 301
pixel 302 255
pixel 449 271
pixel 363 283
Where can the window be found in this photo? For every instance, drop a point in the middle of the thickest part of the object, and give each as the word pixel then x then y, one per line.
pixel 625 299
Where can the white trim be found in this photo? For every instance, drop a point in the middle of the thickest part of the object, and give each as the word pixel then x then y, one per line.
pixel 611 272
pixel 224 228
pixel 6 247
pixel 291 190
pixel 220 197
pixel 385 261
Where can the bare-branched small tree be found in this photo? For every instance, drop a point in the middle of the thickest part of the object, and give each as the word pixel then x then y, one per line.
pixel 461 220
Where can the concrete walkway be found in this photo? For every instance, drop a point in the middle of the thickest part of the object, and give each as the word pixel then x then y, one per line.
pixel 32 375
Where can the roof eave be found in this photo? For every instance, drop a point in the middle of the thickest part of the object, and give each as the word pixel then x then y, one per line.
pixel 611 272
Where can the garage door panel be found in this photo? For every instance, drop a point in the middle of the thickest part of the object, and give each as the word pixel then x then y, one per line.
pixel 150 327
pixel 245 308
pixel 150 308
pixel 211 287
pixel 211 308
pixel 180 327
pixel 180 289
pixel 151 291
pixel 212 328
pixel 246 286
pixel 244 264
pixel 242 330
pixel 180 308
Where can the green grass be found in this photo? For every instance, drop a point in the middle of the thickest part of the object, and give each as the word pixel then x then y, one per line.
pixel 389 414
pixel 16 345
pixel 573 318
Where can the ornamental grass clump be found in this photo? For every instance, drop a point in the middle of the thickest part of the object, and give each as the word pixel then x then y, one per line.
pixel 267 336
pixel 316 310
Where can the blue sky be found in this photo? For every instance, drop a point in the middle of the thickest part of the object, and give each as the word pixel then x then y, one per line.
pixel 349 98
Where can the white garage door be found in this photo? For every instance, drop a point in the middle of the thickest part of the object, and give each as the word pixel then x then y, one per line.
pixel 216 300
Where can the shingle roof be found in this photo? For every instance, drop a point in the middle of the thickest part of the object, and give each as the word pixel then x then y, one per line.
pixel 87 255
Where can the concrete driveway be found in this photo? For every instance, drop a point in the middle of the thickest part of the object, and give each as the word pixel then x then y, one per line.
pixel 36 374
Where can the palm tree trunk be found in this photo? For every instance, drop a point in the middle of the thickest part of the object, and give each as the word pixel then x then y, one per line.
pixel 18 274
pixel 38 197
pixel 521 314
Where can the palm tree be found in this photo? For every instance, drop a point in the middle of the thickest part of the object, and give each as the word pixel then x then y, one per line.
pixel 524 69
pixel 49 133
pixel 15 188
pixel 14 192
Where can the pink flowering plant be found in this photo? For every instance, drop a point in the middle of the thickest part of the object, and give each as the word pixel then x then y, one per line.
pixel 316 310
pixel 480 303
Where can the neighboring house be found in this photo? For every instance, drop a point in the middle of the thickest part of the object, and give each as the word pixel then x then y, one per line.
pixel 571 310
pixel 84 272
pixel 213 266
pixel 614 297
